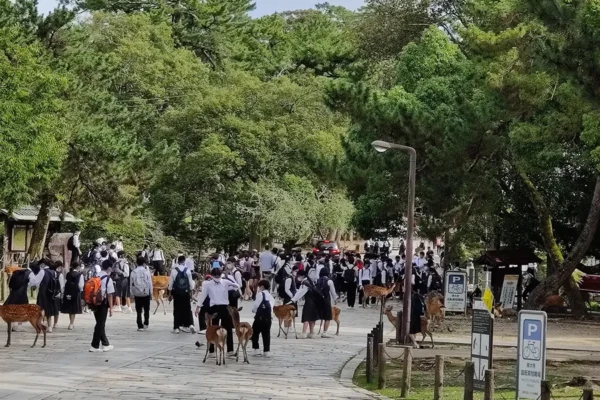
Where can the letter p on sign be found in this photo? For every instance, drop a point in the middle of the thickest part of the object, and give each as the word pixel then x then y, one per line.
pixel 533 329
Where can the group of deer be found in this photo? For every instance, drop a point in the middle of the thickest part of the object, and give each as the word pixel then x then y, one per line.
pixel 286 315
pixel 217 336
pixel 434 315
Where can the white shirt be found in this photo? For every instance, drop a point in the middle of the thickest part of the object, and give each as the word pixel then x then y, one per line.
pixel 97 270
pixel 157 255
pixel 76 241
pixel 237 276
pixel 266 260
pixel 107 286
pixel 174 273
pixel 118 245
pixel 364 275
pixel 189 263
pixel 232 277
pixel 141 269
pixel 259 298
pixel 304 289
pixel 217 292
pixel 35 280
pixel 124 267
pixel 288 287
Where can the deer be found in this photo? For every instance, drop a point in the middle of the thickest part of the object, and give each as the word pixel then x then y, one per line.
pixel 335 316
pixel 424 323
pixel 435 310
pixel 243 331
pixel 160 284
pixel 376 291
pixel 31 313
pixel 285 313
pixel 216 335
pixel 501 312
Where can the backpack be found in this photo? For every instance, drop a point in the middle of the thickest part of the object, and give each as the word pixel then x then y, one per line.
pixel 214 264
pixel 53 284
pixel 71 244
pixel 349 275
pixel 19 279
pixel 263 312
pixel 72 287
pixel 279 279
pixel 182 283
pixel 140 284
pixel 92 291
pixel 377 280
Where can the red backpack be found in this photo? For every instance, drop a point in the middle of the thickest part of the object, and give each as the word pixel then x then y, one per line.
pixel 92 292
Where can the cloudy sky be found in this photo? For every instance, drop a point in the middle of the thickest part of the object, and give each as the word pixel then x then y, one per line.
pixel 262 6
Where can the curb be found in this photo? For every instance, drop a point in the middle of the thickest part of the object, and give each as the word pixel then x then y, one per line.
pixel 347 373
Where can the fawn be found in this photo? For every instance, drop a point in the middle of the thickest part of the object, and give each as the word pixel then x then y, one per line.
pixel 424 325
pixel 31 313
pixel 285 313
pixel 243 331
pixel 216 335
pixel 159 288
pixel 335 316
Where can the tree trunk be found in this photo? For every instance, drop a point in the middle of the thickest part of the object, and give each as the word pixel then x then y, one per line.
pixel 332 234
pixel 40 228
pixel 564 268
pixel 255 239
pixel 578 308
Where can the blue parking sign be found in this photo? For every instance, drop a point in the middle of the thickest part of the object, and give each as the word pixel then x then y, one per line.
pixel 457 279
pixel 532 329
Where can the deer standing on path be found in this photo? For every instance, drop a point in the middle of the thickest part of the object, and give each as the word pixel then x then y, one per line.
pixel 285 313
pixel 424 325
pixel 31 313
pixel 160 284
pixel 335 316
pixel 243 331
pixel 216 335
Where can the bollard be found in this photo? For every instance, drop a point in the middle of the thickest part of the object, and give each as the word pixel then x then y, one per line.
pixel 545 392
pixel 381 332
pixel 406 372
pixel 438 388
pixel 469 376
pixel 375 347
pixel 488 390
pixel 399 338
pixel 369 363
pixel 588 394
pixel 381 370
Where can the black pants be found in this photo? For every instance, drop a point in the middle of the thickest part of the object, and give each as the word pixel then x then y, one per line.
pixel 202 318
pixel 159 267
pixel 261 328
pixel 224 319
pixel 142 304
pixel 351 293
pixel 233 302
pixel 361 293
pixel 182 311
pixel 100 314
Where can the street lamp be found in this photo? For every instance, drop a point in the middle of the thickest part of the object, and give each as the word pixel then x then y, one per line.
pixel 380 146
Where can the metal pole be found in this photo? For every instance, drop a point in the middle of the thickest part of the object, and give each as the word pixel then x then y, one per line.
pixel 381 370
pixel 406 301
pixel 369 363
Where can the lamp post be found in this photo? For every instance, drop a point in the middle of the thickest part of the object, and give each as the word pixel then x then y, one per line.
pixel 380 146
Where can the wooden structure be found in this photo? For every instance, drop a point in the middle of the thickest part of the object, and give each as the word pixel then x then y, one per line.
pixel 507 262
pixel 18 229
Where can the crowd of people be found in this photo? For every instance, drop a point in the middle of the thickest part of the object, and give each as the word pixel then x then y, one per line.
pixel 314 279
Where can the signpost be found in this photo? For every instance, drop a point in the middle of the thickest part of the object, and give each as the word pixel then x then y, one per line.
pixel 482 343
pixel 509 288
pixel 455 291
pixel 531 354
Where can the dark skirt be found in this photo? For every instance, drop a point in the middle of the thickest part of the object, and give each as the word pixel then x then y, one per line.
pixel 415 315
pixel 17 296
pixel 310 312
pixel 326 314
pixel 122 287
pixel 49 304
pixel 72 305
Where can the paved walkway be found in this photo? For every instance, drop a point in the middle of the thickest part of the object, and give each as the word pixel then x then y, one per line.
pixel 160 365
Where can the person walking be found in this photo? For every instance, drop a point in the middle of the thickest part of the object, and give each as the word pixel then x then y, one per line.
pixel 312 304
pixel 19 282
pixel 74 246
pixel 262 309
pixel 329 297
pixel 49 293
pixel 266 261
pixel 141 289
pixel 181 285
pixel 71 302
pixel 364 278
pixel 102 311
pixel 350 276
pixel 235 275
pixel 158 260
pixel 217 290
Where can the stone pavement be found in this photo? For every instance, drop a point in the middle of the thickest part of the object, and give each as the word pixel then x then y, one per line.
pixel 160 365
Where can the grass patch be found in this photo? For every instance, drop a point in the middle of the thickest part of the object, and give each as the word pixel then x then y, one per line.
pixel 504 376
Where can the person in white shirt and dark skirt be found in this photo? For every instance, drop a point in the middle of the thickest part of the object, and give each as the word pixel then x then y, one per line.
pixel 49 293
pixel 263 308
pixel 181 285
pixel 101 313
pixel 310 312
pixel 71 302
pixel 327 289
pixel 217 290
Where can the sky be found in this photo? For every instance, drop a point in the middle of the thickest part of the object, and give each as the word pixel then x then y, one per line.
pixel 263 7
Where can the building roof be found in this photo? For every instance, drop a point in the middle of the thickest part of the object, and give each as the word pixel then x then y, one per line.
pixel 506 257
pixel 30 213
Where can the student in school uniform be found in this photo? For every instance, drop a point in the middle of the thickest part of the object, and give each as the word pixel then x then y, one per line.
pixel 20 282
pixel 350 276
pixel 71 302
pixel 180 291
pixel 49 293
pixel 235 275
pixel 310 311
pixel 262 308
pixel 158 260
pixel 364 278
pixel 327 289
pixel 101 313
pixel 217 290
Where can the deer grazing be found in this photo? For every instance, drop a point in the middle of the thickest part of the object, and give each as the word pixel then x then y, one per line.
pixel 160 284
pixel 335 316
pixel 424 325
pixel 286 314
pixel 216 335
pixel 31 313
pixel 243 331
